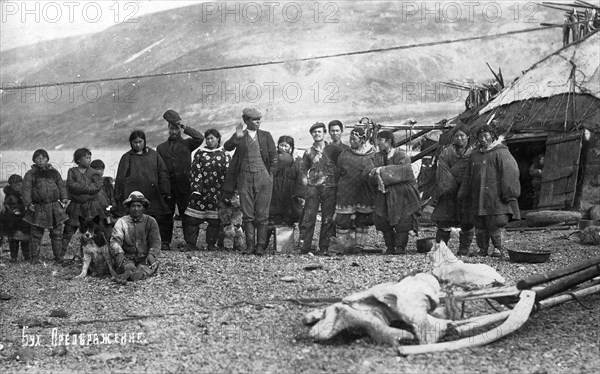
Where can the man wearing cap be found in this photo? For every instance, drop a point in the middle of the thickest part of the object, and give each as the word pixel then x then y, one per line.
pixel 318 168
pixel 135 241
pixel 489 190
pixel 176 152
pixel 250 172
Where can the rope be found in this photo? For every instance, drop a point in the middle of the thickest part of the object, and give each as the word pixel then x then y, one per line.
pixel 279 62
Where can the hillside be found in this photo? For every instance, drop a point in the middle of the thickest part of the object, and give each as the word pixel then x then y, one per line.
pixel 385 86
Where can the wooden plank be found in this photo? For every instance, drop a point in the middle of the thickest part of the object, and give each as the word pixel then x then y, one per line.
pixel 559 179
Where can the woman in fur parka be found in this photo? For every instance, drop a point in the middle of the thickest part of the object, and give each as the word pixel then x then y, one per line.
pixel 45 197
pixel 83 187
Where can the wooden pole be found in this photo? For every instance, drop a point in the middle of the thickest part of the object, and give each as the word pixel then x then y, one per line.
pixel 424 153
pixel 568 282
pixel 558 273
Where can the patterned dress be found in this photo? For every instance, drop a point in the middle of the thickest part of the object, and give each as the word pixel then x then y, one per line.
pixel 207 177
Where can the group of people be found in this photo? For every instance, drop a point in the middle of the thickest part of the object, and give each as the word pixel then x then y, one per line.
pixel 477 190
pixel 357 185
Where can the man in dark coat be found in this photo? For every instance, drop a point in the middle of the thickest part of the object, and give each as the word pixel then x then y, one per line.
pixel 250 171
pixel 490 189
pixel 397 200
pixel 176 152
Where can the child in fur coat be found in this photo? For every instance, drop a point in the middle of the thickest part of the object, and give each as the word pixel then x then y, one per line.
pixel 15 228
pixel 45 197
pixel 230 213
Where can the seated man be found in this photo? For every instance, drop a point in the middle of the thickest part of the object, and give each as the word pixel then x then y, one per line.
pixel 135 241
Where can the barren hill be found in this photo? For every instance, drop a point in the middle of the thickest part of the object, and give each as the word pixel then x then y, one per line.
pixel 385 86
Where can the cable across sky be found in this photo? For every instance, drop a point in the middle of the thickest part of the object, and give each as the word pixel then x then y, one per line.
pixel 279 62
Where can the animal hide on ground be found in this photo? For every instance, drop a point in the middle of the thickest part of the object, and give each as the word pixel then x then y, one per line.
pixel 375 310
pixel 448 268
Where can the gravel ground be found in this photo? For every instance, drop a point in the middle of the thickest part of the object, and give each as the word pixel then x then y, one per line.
pixel 224 312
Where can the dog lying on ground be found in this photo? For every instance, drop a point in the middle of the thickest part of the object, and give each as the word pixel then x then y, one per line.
pixel 95 247
pixel 448 268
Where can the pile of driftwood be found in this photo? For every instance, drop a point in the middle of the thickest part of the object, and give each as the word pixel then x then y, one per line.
pixel 420 310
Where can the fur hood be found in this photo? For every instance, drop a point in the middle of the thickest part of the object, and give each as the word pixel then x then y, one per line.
pixel 46 172
pixel 8 190
pixel 498 143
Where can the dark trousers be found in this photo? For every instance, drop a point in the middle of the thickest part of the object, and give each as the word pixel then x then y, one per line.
pixel 181 201
pixel 255 190
pixel 324 196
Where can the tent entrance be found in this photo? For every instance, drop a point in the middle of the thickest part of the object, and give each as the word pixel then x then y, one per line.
pixel 524 149
pixel 559 178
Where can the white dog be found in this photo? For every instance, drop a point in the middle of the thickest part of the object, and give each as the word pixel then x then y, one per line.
pixel 448 268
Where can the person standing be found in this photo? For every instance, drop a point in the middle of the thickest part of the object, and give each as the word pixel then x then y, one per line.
pixel 251 173
pixel 535 171
pixel 208 175
pixel 451 166
pixel 490 189
pixel 176 152
pixel 288 187
pixel 319 170
pixel 355 195
pixel 397 201
pixel 15 228
pixel 142 169
pixel 45 197
pixel 83 187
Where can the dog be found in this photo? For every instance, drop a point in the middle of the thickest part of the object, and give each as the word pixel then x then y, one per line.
pixel 446 267
pixel 95 247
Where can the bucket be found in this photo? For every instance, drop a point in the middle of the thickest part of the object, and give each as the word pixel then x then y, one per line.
pixel 425 245
pixel 284 239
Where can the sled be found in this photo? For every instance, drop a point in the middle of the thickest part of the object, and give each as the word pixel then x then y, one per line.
pixel 377 311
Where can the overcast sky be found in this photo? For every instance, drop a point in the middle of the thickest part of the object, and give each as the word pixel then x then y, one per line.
pixel 30 22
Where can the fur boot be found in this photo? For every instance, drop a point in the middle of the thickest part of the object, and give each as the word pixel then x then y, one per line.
pixel 465 238
pixel 401 242
pixel 57 250
pixel 34 250
pixel 389 237
pixel 482 238
pixel 250 238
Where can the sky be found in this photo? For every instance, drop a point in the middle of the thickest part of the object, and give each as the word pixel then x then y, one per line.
pixel 29 22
